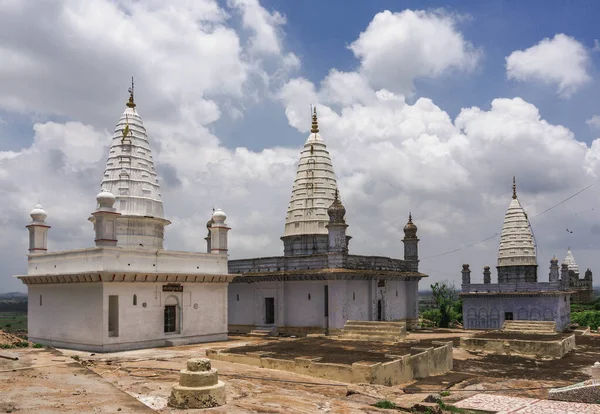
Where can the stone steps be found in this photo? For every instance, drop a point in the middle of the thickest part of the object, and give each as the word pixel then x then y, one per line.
pixel 383 331
pixel 401 325
pixel 538 327
pixel 262 331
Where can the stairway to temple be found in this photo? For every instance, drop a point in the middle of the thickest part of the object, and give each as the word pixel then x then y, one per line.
pixel 262 331
pixel 373 331
pixel 530 327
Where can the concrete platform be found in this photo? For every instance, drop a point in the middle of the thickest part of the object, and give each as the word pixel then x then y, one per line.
pixel 346 361
pixel 516 343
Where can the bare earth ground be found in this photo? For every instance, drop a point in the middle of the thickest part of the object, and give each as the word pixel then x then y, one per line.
pixel 108 382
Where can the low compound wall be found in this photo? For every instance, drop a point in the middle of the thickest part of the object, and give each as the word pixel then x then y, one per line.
pixel 544 349
pixel 435 360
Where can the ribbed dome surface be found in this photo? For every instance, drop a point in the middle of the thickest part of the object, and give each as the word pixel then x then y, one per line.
pixel 130 174
pixel 516 241
pixel 314 190
pixel 570 261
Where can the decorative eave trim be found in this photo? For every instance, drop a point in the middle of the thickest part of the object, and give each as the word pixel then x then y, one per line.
pixel 555 293
pixel 348 275
pixel 127 277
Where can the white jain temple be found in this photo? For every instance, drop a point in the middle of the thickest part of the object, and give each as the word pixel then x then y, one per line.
pixel 316 286
pixel 126 292
pixel 518 295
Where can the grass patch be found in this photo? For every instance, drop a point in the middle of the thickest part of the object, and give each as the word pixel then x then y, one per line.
pixel 38 345
pixel 385 404
pixel 450 408
pixel 13 321
pixel 22 344
pixel 445 393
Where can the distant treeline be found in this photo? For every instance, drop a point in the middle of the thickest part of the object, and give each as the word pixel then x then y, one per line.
pixel 13 306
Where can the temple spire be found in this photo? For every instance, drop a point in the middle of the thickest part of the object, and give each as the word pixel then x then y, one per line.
pixel 514 188
pixel 131 103
pixel 315 123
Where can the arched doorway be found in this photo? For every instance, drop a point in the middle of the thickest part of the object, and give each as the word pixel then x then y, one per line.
pixel 172 315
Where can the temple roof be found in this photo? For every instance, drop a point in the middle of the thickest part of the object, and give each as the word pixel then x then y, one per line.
pixel 314 188
pixel 130 174
pixel 570 261
pixel 516 241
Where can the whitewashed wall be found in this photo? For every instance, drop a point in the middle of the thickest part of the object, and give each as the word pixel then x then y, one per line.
pixel 348 300
pixel 69 313
pixel 76 315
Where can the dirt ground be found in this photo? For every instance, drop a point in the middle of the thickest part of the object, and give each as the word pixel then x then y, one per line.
pixel 140 381
pixel 336 352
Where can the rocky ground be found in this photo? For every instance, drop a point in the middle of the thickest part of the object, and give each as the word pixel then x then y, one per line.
pixel 52 381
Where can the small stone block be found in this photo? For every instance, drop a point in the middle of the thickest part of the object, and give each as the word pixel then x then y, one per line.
pixel 198 364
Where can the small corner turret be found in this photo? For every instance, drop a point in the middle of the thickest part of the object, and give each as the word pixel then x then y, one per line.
pixel 38 230
pixel 218 233
pixel 105 219
pixel 466 275
pixel 411 244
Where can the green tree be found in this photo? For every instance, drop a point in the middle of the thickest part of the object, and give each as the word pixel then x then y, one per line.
pixel 445 297
pixel 589 318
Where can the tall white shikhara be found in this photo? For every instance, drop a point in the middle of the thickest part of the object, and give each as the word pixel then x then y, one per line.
pixel 516 241
pixel 131 176
pixel 314 188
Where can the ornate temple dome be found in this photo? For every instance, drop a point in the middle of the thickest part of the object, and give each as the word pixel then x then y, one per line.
pixel 314 187
pixel 516 241
pixel 336 210
pixel 410 230
pixel 130 174
pixel 570 261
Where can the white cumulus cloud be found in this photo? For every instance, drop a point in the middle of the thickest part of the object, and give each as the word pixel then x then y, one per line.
pixel 397 48
pixel 561 61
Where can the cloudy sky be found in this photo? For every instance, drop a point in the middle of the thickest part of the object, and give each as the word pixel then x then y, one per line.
pixel 424 107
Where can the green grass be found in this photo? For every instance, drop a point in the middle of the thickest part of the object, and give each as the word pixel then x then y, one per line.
pixel 385 404
pixel 13 321
pixel 23 344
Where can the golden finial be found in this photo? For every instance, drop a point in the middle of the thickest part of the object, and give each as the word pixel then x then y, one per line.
pixel 315 124
pixel 336 195
pixel 131 104
pixel 514 188
pixel 409 217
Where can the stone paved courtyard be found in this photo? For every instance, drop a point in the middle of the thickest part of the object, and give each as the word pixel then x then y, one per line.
pixel 63 381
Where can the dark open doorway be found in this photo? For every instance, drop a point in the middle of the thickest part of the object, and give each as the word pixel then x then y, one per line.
pixel 379 310
pixel 269 311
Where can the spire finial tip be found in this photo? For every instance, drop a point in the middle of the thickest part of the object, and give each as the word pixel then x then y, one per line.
pixel 315 123
pixel 514 187
pixel 131 103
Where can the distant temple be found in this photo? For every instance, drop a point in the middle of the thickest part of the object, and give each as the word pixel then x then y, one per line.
pixel 583 290
pixel 518 295
pixel 316 286
pixel 126 292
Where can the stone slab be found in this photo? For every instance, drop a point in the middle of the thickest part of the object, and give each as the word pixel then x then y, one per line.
pixel 583 392
pixel 500 404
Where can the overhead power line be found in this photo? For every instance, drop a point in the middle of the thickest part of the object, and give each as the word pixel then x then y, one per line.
pixel 497 234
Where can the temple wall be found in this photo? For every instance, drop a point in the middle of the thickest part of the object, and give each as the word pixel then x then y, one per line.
pixel 294 308
pixel 77 315
pixel 488 312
